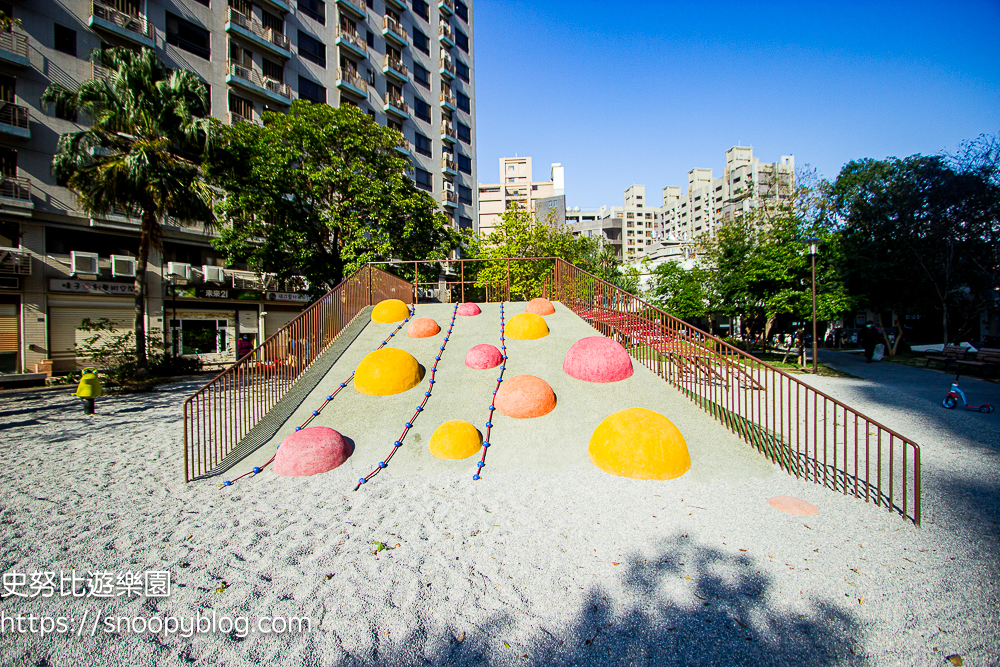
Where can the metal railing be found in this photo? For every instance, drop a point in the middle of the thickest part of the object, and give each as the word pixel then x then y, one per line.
pixel 16 261
pixel 220 414
pixel 395 27
pixel 398 102
pixel 449 196
pixel 136 23
pixel 448 162
pixel 444 30
pixel 447 98
pixel 448 130
pixel 236 118
pixel 353 78
pixel 258 79
pixel 396 64
pixel 14 42
pixel 14 114
pixel 354 38
pixel 14 187
pixel 267 34
pixel 806 432
pixel 448 66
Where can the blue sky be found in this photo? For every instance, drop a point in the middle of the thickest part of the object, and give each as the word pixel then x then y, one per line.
pixel 641 92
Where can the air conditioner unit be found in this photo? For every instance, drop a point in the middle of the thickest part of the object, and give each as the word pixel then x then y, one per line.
pixel 213 274
pixel 83 262
pixel 179 270
pixel 448 186
pixel 122 266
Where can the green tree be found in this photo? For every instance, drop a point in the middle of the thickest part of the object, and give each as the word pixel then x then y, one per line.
pixel 149 128
pixel 683 293
pixel 319 192
pixel 520 234
pixel 919 235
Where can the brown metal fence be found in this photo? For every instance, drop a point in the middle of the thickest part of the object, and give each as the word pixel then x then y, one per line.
pixel 807 433
pixel 220 414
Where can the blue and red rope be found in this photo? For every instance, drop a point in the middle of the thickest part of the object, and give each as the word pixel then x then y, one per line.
pixel 489 419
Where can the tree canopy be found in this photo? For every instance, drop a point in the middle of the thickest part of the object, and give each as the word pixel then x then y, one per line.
pixel 320 191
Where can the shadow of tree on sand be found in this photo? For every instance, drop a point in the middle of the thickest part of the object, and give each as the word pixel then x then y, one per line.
pixel 652 614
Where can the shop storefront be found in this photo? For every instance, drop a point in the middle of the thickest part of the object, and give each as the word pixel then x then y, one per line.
pixel 71 302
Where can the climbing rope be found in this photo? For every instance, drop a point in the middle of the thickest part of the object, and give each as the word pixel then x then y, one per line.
pixel 315 413
pixel 420 408
pixel 489 418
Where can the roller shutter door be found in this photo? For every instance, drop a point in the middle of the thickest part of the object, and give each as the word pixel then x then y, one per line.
pixel 63 333
pixel 275 319
pixel 8 338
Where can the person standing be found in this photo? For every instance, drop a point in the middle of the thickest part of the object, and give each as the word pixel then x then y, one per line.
pixel 869 338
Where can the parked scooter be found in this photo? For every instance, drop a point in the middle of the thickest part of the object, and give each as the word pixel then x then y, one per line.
pixel 951 400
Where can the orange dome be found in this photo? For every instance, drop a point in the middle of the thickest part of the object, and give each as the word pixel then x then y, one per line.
pixel 423 327
pixel 525 396
pixel 540 306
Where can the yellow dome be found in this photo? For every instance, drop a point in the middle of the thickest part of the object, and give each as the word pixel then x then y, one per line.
pixel 640 444
pixel 387 371
pixel 390 310
pixel 526 326
pixel 455 439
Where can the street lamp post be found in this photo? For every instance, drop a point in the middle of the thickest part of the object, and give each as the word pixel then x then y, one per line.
pixel 813 251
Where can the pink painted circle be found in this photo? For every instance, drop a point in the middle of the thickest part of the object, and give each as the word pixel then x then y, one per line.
pixel 540 306
pixel 311 451
pixel 483 356
pixel 598 359
pixel 525 396
pixel 468 309
pixel 423 327
pixel 793 506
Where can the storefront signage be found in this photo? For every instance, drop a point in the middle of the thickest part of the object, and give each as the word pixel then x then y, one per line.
pixel 91 287
pixel 213 293
pixel 288 296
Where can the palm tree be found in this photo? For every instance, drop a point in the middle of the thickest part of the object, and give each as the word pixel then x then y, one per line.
pixel 149 129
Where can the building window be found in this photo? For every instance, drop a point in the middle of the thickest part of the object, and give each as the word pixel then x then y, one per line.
pixel 370 39
pixel 421 41
pixel 420 9
pixel 461 11
pixel 188 36
pixel 371 4
pixel 312 49
pixel 273 70
pixel 423 179
pixel 422 144
pixel 462 70
pixel 464 195
pixel 273 21
pixel 461 40
pixel 64 39
pixel 421 110
pixel 464 222
pixel 201 336
pixel 312 91
pixel 464 132
pixel 464 163
pixel 422 76
pixel 314 9
pixel 463 101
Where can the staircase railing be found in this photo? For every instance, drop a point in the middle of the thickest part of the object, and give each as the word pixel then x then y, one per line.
pixel 220 414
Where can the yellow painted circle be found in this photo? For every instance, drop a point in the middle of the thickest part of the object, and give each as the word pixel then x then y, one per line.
pixel 390 310
pixel 640 444
pixel 455 439
pixel 526 326
pixel 387 371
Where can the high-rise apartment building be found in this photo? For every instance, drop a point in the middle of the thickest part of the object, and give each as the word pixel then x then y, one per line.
pixel 546 199
pixel 746 183
pixel 409 65
pixel 630 229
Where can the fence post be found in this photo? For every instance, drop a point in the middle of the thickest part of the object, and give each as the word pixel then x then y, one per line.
pixel 461 263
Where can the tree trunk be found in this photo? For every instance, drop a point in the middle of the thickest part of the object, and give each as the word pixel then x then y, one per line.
pixel 885 334
pixel 944 320
pixel 338 261
pixel 145 238
pixel 767 330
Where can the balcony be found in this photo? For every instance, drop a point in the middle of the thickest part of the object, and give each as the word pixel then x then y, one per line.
pixel 448 101
pixel 14 120
pixel 16 261
pixel 350 81
pixel 398 4
pixel 254 82
pixel 133 27
pixel 395 68
pixel 448 165
pixel 404 146
pixel 447 68
pixel 448 132
pixel 447 7
pixel 280 5
pixel 250 29
pixel 355 7
pixel 393 31
pixel 15 196
pixel 449 198
pixel 395 105
pixel 352 43
pixel 236 118
pixel 445 36
pixel 14 49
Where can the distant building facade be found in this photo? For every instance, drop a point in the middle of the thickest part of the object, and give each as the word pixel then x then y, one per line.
pixel 546 199
pixel 631 229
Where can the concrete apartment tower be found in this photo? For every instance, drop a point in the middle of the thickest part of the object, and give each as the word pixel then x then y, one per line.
pixel 408 65
pixel 546 199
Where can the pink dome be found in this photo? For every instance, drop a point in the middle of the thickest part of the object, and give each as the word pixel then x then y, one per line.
pixel 423 327
pixel 310 451
pixel 598 359
pixel 468 309
pixel 483 356
pixel 540 306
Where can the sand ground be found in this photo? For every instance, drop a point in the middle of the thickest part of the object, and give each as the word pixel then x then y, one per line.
pixel 547 560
